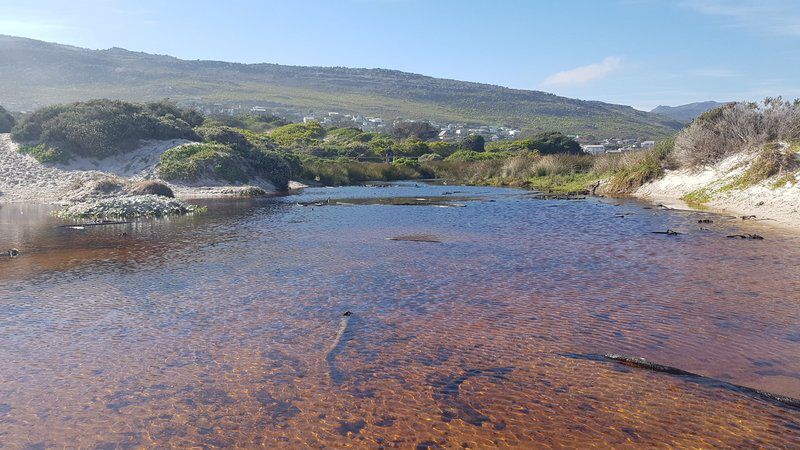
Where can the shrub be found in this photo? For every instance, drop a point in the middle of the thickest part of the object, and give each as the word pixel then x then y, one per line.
pixel 773 159
pixel 473 142
pixel 469 155
pixel 195 161
pixel 6 121
pixel 544 143
pixel 153 187
pixel 735 127
pixel 299 134
pixel 430 157
pixel 99 128
pixel 45 154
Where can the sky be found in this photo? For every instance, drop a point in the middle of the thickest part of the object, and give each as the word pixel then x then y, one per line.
pixel 641 53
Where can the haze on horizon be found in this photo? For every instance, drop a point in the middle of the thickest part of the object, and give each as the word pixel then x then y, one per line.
pixel 638 52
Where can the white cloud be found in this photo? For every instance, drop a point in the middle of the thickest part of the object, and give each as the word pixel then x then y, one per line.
pixel 584 74
pixel 781 17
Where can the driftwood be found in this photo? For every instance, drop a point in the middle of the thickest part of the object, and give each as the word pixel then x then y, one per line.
pixel 336 347
pixel 668 232
pixel 13 253
pixel 415 238
pixel 642 363
pixel 755 237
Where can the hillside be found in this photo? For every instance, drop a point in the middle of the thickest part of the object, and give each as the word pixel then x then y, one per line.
pixel 35 73
pixel 686 113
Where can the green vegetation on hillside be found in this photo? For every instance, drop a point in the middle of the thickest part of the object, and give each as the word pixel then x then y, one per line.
pixel 67 74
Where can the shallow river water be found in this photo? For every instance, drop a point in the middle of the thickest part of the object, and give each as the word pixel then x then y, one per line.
pixel 228 329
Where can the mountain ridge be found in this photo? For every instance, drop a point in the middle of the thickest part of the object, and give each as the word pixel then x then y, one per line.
pixel 42 73
pixel 686 113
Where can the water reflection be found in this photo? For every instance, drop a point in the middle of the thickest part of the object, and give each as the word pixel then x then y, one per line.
pixel 225 328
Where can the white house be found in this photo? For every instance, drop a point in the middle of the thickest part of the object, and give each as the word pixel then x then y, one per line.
pixel 594 149
pixel 647 144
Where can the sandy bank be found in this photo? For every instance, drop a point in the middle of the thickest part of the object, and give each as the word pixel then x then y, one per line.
pixel 24 179
pixel 770 204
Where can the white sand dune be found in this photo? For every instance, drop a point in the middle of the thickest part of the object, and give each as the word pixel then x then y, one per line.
pixel 774 205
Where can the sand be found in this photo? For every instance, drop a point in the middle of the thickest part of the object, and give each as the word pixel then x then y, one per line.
pixel 23 179
pixel 778 206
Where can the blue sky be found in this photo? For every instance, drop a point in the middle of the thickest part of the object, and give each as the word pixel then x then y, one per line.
pixel 637 52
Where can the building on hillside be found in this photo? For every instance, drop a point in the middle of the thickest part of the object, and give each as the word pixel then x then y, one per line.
pixel 594 149
pixel 307 119
pixel 259 110
pixel 647 144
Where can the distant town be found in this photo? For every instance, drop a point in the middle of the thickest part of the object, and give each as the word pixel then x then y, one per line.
pixel 446 132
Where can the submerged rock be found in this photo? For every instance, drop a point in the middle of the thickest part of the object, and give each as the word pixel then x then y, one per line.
pixel 127 207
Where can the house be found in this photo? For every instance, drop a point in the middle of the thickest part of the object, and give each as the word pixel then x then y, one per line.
pixel 594 149
pixel 647 144
pixel 307 119
pixel 260 110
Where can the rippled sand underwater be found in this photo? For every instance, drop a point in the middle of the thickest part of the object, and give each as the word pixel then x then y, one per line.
pixel 228 329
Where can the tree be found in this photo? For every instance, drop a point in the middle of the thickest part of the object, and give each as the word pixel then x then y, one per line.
pixel 402 129
pixel 6 121
pixel 474 142
pixel 554 142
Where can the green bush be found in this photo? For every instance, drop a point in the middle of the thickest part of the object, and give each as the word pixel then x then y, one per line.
pixel 100 128
pixel 45 154
pixel 469 155
pixel 192 162
pixel 298 134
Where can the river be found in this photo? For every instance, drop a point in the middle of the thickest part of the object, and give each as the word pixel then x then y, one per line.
pixel 486 329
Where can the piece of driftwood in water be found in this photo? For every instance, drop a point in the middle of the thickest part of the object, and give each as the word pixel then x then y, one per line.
pixel 755 237
pixel 415 238
pixel 336 347
pixel 668 232
pixel 642 363
pixel 453 407
pixel 95 224
pixel 13 253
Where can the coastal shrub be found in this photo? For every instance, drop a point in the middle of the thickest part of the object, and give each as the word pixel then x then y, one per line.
pixel 773 159
pixel 151 187
pixel 430 157
pixel 100 128
pixel 736 127
pixel 631 170
pixel 298 134
pixel 192 162
pixel 345 172
pixel 7 121
pixel 473 142
pixel 544 143
pixel 45 154
pixel 257 123
pixel 470 155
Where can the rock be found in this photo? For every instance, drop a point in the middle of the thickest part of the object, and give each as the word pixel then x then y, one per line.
pixel 755 237
pixel 668 232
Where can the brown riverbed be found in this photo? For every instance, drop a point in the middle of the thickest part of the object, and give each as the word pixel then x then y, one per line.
pixel 227 328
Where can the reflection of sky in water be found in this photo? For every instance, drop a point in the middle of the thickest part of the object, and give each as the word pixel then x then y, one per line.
pixel 221 329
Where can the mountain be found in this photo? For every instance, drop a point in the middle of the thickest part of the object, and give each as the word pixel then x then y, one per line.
pixel 35 73
pixel 686 113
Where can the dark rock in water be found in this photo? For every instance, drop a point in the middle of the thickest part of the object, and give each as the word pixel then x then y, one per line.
pixel 705 221
pixel 347 314
pixel 748 217
pixel 755 237
pixel 13 252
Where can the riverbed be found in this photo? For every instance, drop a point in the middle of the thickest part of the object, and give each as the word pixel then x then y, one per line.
pixel 295 322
